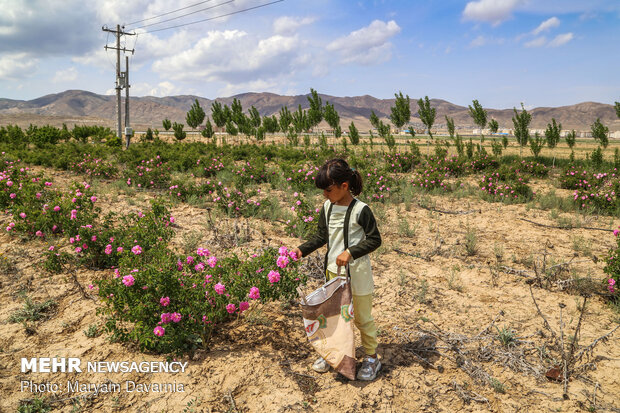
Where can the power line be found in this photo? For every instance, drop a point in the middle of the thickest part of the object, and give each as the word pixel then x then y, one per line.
pixel 216 17
pixel 183 15
pixel 170 12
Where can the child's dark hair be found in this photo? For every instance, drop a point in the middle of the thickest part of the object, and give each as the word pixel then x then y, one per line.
pixel 337 171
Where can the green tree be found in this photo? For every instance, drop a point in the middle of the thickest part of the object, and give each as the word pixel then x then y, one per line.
pixel 521 122
pixel 166 124
pixel 536 144
pixel 285 119
pixel 260 133
pixel 479 115
pixel 571 139
pixel 332 118
pixel 617 106
pixel 427 116
pixel 354 135
pixel 401 111
pixel 450 126
pixel 270 123
pixel 599 133
pixel 195 116
pixel 149 134
pixel 237 112
pixel 493 126
pixel 552 135
pixel 65 135
pixel 178 131
pixel 231 129
pixel 218 115
pixel 374 119
pixel 208 132
pixel 300 120
pixel 315 112
pixel 255 119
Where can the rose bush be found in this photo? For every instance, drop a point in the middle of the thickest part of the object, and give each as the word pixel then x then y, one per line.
pixel 173 303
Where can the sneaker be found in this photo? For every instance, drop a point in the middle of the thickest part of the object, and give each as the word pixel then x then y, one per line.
pixel 320 365
pixel 369 369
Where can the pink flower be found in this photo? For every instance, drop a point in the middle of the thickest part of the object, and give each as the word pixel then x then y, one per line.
pixel 175 317
pixel 93 199
pixel 164 301
pixel 137 250
pixel 93 238
pixel 39 234
pixel 282 250
pixel 12 196
pixel 243 305
pixel 159 331
pixel 22 214
pixel 172 220
pixel 254 293
pixel 56 208
pixel 282 261
pixel 189 259
pixel 202 252
pixel 9 183
pixel 199 267
pixel 73 213
pixel 128 280
pixel 51 248
pixel 219 288
pixel 165 318
pixel 119 249
pixel 212 261
pixel 292 254
pixel 78 249
pixel 231 308
pixel 616 232
pixel 273 276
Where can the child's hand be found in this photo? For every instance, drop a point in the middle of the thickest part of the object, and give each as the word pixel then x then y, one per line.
pixel 297 253
pixel 343 259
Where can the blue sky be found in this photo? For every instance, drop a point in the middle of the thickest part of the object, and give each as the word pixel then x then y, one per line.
pixel 501 52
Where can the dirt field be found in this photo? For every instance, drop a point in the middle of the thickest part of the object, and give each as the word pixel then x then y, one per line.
pixel 451 279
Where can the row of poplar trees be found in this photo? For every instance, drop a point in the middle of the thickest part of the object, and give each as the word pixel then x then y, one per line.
pixel 233 121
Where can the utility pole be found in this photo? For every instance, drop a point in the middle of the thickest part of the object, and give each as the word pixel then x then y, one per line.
pixel 128 131
pixel 120 82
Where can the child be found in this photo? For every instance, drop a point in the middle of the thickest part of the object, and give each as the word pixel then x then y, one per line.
pixel 346 220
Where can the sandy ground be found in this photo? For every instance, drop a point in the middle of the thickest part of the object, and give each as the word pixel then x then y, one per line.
pixel 433 304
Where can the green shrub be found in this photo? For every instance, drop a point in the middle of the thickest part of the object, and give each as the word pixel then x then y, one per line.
pixel 170 303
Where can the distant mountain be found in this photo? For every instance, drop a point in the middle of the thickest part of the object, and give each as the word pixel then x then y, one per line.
pixel 78 106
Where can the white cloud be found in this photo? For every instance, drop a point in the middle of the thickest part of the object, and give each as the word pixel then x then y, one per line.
pixel 561 39
pixel 161 89
pixel 482 41
pixel 368 45
pixel 253 86
pixel 232 56
pixel 492 11
pixel 66 75
pixel 17 66
pixel 478 41
pixel 288 25
pixel 546 25
pixel 537 42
